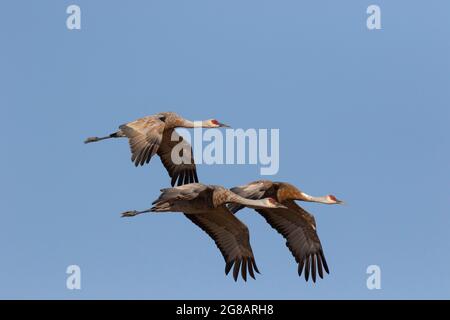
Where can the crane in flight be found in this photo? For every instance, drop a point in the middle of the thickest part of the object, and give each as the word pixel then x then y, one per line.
pixel 293 222
pixel 206 206
pixel 156 134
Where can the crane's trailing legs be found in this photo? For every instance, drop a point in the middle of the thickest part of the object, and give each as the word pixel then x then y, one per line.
pixel 118 134
pixel 133 213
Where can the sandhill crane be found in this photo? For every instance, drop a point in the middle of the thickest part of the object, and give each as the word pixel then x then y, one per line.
pixel 205 206
pixel 156 135
pixel 294 223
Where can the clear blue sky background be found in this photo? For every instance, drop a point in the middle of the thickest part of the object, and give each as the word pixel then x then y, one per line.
pixel 362 114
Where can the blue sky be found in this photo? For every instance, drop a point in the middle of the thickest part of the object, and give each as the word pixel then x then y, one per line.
pixel 362 114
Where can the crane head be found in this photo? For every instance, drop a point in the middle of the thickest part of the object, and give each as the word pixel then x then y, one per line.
pixel 216 124
pixel 333 200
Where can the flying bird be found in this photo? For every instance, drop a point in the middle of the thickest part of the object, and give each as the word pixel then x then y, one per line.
pixel 205 206
pixel 293 222
pixel 156 135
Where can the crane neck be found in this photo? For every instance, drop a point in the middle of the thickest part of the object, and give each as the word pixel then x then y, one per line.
pixel 322 199
pixel 196 124
pixel 254 204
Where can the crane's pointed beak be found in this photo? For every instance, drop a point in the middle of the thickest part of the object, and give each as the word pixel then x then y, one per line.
pixel 223 125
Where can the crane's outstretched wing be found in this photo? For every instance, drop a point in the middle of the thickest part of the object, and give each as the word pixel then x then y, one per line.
pixel 231 237
pixel 298 227
pixel 185 171
pixel 145 136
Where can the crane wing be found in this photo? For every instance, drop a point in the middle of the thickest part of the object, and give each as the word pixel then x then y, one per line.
pixel 145 136
pixel 295 224
pixel 298 227
pixel 231 237
pixel 185 172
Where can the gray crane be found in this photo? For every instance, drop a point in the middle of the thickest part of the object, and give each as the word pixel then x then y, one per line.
pixel 156 135
pixel 206 206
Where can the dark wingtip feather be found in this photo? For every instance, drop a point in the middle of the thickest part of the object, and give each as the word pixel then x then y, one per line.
pixel 250 269
pixel 187 178
pixel 244 269
pixel 181 178
pixel 195 175
pixel 143 157
pixel 191 176
pixel 325 265
pixel 319 266
pixel 300 267
pixel 146 155
pixel 313 267
pixel 307 266
pixel 255 266
pixel 174 179
pixel 228 266
pixel 236 269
